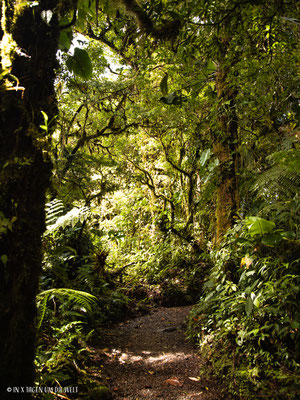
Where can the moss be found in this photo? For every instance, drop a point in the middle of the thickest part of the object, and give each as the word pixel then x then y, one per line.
pixel 9 14
pixel 8 45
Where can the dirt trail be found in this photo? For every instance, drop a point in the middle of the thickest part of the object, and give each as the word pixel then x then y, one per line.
pixel 149 358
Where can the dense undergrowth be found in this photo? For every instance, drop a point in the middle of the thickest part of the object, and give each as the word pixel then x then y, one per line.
pixel 246 290
pixel 247 321
pixel 85 287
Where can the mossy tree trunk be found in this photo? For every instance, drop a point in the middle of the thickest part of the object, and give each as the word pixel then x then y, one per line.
pixel 225 148
pixel 24 176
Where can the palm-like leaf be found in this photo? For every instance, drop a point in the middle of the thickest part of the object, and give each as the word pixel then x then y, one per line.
pixel 78 297
pixel 283 178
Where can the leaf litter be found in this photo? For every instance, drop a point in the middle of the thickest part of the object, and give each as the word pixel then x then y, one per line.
pixel 142 359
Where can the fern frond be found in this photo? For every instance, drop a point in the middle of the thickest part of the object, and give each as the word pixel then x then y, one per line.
pixel 54 209
pixel 85 279
pixel 283 178
pixel 78 297
pixel 42 308
pixel 71 218
pixel 288 159
pixel 277 180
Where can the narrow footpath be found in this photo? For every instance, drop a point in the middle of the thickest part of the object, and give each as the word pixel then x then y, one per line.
pixel 149 358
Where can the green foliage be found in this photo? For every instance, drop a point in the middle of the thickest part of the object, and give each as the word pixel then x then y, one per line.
pixel 72 218
pixel 54 210
pixel 282 178
pixel 84 300
pixel 249 309
pixel 6 224
pixel 65 39
pixel 80 64
pixel 75 298
pixel 47 124
pixel 164 85
pixel 259 226
pixel 142 150
pixel 59 353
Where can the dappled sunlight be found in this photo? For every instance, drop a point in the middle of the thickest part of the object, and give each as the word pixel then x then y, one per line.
pixel 146 357
pixel 149 358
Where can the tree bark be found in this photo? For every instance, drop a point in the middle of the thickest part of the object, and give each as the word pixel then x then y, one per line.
pixel 24 176
pixel 225 142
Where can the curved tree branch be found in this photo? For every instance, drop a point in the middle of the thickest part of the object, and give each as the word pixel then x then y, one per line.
pixel 167 31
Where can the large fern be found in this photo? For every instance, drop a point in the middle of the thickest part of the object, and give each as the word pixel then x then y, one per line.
pixel 282 179
pixel 71 218
pixel 56 215
pixel 78 297
pixel 54 209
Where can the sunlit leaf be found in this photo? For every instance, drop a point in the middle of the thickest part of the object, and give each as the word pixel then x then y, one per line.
pixel 205 156
pixel 46 16
pixel 259 226
pixel 246 261
pixel 192 378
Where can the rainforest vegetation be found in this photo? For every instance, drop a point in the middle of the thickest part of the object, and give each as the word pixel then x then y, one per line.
pixel 149 155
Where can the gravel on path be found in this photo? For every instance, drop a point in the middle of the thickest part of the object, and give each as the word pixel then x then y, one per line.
pixel 149 358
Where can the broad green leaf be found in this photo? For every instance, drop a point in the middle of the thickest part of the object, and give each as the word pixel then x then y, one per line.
pixel 164 85
pixel 259 226
pixel 4 259
pixel 45 116
pixel 254 332
pixel 256 302
pixel 210 67
pixel 204 157
pixel 295 325
pixel 288 235
pixel 80 64
pixel 249 305
pixel 65 40
pixel 209 284
pixel 271 239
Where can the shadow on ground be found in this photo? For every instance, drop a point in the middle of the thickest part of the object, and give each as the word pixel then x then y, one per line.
pixel 149 358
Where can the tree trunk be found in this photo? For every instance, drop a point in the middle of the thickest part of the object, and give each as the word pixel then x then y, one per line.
pixel 24 176
pixel 225 142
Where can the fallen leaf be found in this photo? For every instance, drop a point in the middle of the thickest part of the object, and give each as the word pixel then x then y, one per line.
pixel 151 372
pixel 174 382
pixel 192 378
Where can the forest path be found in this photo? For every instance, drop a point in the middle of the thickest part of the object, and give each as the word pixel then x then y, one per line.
pixel 149 358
